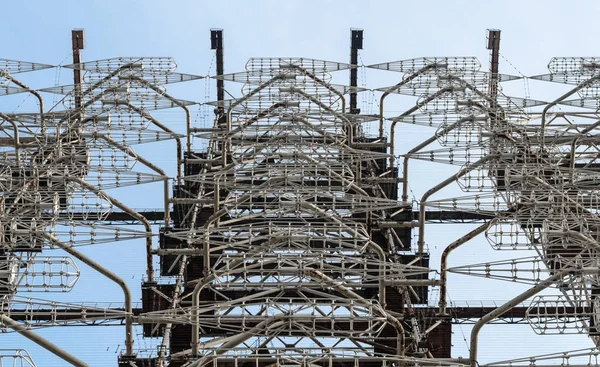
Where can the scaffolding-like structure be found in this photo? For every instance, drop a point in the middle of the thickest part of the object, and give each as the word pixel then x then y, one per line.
pixel 287 238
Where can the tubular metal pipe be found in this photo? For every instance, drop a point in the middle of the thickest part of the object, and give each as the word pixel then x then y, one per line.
pixel 566 95
pixel 200 286
pixel 110 275
pixel 555 190
pixel 391 89
pixel 178 251
pixel 147 163
pixel 411 224
pixel 208 275
pixel 222 212
pixel 444 261
pixel 335 174
pixel 414 283
pixel 467 85
pixel 16 135
pixel 80 109
pixel 188 115
pixel 42 342
pixel 327 108
pixel 248 96
pixel 129 211
pixel 579 236
pixel 34 92
pixel 382 312
pixel 425 143
pixel 264 113
pixel 240 101
pixel 261 114
pixel 179 147
pixel 244 336
pixel 321 82
pixel 427 100
pixel 440 186
pixel 240 338
pixel 190 201
pixel 375 247
pixel 408 112
pixel 507 307
pixel 196 293
pixel 162 353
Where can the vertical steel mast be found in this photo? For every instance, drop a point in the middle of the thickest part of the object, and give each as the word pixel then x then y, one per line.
pixel 356 43
pixel 77 37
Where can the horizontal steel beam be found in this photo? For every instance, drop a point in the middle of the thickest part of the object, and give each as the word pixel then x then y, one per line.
pixel 456 315
pixel 433 216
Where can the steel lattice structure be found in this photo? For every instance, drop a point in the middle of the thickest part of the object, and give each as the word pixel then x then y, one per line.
pixel 287 239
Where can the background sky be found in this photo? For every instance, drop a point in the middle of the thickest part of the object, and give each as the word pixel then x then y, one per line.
pixel 532 33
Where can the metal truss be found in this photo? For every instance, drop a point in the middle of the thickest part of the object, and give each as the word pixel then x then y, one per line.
pixel 16 357
pixel 286 240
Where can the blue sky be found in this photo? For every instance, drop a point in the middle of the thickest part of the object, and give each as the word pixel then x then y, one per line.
pixel 532 32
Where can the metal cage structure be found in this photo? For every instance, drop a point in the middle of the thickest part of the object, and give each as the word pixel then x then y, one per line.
pixel 288 238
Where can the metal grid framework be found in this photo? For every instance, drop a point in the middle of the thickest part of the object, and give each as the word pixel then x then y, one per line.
pixel 287 241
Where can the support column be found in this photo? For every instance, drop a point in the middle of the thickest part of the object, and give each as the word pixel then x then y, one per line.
pixel 77 39
pixel 356 43
pixel 494 46
pixel 216 43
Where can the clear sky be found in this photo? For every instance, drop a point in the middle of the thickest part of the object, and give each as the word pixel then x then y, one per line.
pixel 533 31
pixel 39 30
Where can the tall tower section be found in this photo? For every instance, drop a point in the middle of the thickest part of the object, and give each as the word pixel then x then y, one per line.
pixel 288 242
